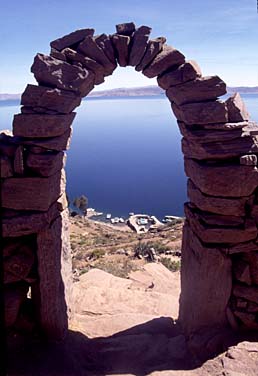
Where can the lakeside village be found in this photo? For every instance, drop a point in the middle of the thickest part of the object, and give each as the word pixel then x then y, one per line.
pixel 140 223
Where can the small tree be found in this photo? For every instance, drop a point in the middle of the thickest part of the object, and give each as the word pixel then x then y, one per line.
pixel 81 203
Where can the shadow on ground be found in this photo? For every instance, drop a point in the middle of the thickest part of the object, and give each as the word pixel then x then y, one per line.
pixel 153 346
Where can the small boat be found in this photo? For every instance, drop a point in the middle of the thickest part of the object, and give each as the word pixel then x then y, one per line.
pixel 121 220
pixel 108 216
pixel 131 214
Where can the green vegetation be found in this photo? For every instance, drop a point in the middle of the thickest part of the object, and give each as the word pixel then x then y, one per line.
pixel 171 265
pixel 143 249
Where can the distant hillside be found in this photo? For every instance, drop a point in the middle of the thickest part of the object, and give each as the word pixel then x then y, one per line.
pixel 137 92
pixel 128 92
pixel 243 89
pixel 10 97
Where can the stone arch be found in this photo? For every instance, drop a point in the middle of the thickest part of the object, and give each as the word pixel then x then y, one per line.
pixel 219 253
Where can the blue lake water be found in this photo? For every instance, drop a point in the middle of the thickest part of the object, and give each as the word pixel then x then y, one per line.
pixel 126 154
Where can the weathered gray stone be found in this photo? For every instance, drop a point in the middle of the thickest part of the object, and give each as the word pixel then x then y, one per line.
pixel 198 90
pixel 55 275
pixel 154 46
pixel 71 39
pixel 246 292
pixel 248 319
pixel 252 259
pixel 18 266
pixel 201 113
pixel 221 232
pixel 224 180
pixel 90 49
pixel 41 126
pixel 236 109
pixel 125 28
pixel 241 271
pixel 6 169
pixel 31 193
pixel 198 134
pixel 49 71
pixel 86 62
pixel 218 205
pixel 13 298
pixel 139 45
pixel 226 126
pixel 56 143
pixel 57 54
pixel 18 163
pixel 26 223
pixel 248 160
pixel 121 46
pixel 62 101
pixel 252 307
pixel 242 248
pixel 220 150
pixel 46 164
pixel 188 71
pixel 166 59
pixel 104 42
pixel 205 284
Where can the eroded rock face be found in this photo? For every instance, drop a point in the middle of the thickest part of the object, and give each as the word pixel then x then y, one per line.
pixel 203 300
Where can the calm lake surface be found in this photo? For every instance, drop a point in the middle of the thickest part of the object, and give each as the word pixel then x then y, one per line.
pixel 126 155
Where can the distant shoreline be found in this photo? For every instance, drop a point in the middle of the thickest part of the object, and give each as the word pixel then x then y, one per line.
pixel 136 92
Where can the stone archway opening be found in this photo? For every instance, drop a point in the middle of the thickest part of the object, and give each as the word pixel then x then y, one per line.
pixel 219 254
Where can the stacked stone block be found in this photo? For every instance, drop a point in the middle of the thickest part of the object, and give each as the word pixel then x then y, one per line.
pixel 220 253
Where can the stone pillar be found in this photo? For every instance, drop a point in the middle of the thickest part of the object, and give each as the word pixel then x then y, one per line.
pixel 55 278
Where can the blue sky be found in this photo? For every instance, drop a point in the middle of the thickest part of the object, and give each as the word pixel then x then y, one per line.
pixel 220 35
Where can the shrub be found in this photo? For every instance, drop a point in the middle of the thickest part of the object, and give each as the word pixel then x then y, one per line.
pixel 171 265
pixel 97 253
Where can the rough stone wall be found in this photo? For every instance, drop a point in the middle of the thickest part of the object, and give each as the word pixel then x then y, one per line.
pixel 220 254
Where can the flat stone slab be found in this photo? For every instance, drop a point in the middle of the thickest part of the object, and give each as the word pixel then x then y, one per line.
pixel 219 234
pixel 89 48
pixel 224 180
pixel 49 71
pixel 188 71
pixel 218 205
pixel 42 97
pixel 139 44
pixel 121 46
pixel 198 90
pixel 198 262
pixel 154 46
pixel 41 125
pixel 104 42
pixel 31 193
pixel 71 39
pixel 167 58
pixel 236 109
pixel 201 112
pixel 46 164
pixel 88 63
pixel 53 143
pixel 226 149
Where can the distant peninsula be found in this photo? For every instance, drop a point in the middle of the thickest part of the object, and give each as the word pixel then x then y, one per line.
pixel 151 90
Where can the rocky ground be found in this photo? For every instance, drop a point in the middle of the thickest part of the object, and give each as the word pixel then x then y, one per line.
pixel 125 315
pixel 118 250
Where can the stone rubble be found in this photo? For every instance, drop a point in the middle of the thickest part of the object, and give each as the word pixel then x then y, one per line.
pixel 220 245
